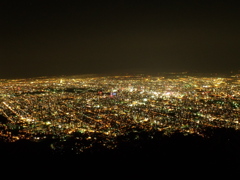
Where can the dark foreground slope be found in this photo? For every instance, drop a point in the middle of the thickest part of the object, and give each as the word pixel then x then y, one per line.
pixel 151 152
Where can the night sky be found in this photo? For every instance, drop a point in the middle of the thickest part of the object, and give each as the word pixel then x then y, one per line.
pixel 64 37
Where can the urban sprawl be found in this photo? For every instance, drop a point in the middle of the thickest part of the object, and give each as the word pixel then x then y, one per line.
pixel 36 108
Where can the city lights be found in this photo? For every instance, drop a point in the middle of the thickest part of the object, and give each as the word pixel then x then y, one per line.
pixel 109 105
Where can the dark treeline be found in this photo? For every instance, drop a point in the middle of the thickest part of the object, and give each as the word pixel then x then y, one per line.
pixel 151 150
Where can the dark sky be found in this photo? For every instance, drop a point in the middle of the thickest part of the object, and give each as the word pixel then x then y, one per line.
pixel 66 37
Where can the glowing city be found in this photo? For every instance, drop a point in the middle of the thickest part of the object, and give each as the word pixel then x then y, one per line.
pixel 60 107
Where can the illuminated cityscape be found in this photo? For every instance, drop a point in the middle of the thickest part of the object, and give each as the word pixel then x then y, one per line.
pixel 114 88
pixel 62 108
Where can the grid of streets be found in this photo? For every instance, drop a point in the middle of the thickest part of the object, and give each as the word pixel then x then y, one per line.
pixel 61 106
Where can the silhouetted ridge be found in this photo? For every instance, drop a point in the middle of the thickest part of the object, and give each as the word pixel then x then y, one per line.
pixel 220 148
